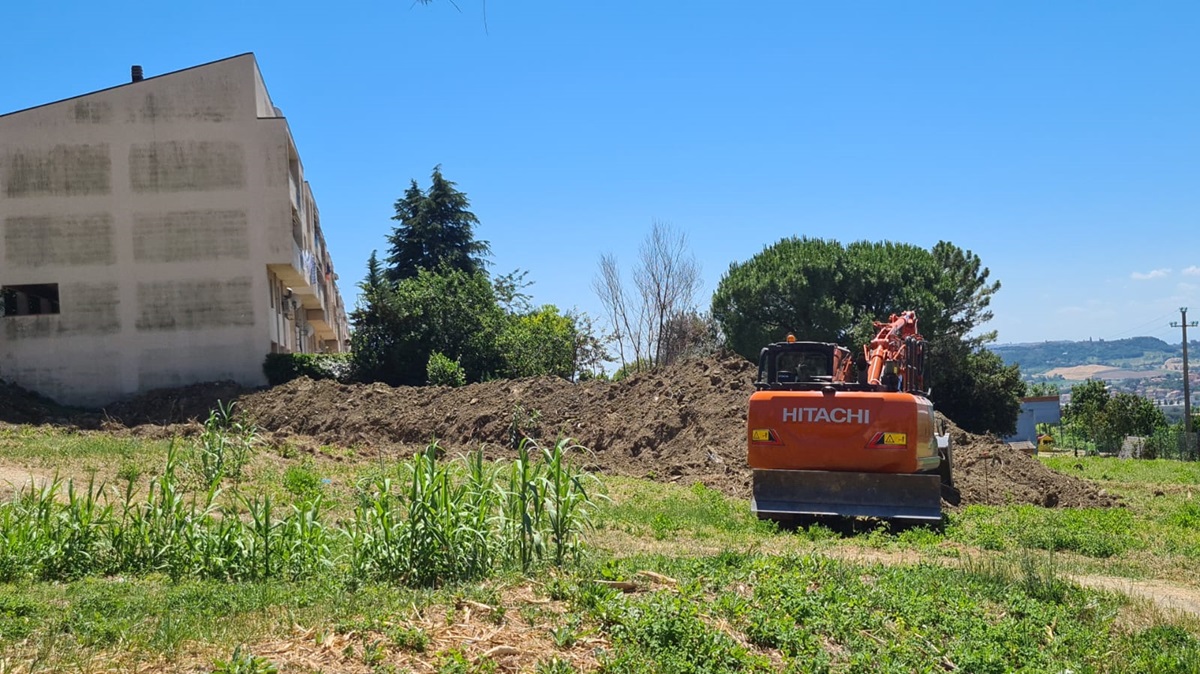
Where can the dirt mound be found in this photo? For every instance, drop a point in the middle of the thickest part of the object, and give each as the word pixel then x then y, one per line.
pixel 685 421
pixel 19 406
pixel 174 405
pixel 988 471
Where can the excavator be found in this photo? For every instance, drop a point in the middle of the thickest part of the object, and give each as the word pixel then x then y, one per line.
pixel 824 442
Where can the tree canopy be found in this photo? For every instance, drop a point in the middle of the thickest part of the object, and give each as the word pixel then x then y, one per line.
pixel 436 229
pixel 1107 418
pixel 431 314
pixel 447 311
pixel 822 290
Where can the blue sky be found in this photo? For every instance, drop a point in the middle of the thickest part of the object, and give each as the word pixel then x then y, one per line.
pixel 1059 141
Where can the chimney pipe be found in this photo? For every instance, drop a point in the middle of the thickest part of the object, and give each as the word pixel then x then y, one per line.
pixel 136 73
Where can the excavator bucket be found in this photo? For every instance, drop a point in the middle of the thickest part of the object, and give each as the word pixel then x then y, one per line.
pixel 786 494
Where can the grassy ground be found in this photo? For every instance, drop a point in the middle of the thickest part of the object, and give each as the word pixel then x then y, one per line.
pixel 677 578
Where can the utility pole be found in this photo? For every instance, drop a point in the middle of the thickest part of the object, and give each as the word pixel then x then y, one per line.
pixel 1187 392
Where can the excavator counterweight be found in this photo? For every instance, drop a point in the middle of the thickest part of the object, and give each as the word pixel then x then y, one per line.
pixel 785 494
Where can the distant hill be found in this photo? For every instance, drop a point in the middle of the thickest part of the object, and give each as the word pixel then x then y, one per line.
pixel 1134 353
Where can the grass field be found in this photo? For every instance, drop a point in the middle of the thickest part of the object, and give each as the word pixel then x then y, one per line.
pixel 213 554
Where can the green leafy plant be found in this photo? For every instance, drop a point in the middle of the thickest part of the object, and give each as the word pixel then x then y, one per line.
pixel 523 425
pixel 566 634
pixel 224 447
pixel 301 481
pixel 441 371
pixel 410 638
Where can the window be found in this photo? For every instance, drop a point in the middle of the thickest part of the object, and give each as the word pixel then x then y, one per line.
pixel 30 300
pixel 804 364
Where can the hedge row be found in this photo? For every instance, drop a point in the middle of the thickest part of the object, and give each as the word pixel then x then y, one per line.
pixel 281 368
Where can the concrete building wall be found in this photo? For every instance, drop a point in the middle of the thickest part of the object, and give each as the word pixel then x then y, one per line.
pixel 1036 410
pixel 163 211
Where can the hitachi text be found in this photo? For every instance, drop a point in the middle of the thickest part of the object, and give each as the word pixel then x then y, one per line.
pixel 837 415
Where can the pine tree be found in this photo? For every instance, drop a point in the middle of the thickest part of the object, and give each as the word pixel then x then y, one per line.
pixel 435 229
pixel 374 280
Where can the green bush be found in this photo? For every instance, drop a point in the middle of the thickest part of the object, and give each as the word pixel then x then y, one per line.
pixel 629 369
pixel 399 326
pixel 441 371
pixel 281 368
pixel 538 343
pixel 301 481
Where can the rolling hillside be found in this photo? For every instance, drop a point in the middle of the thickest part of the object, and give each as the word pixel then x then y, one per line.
pixel 1133 354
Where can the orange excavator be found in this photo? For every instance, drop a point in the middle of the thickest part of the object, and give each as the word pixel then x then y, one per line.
pixel 824 443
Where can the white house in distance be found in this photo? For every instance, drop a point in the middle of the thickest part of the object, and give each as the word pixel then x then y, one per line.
pixel 156 234
pixel 1036 410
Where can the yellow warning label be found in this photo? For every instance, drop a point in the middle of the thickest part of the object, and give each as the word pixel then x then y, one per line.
pixel 760 435
pixel 895 438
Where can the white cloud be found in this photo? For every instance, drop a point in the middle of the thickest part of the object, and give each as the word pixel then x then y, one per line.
pixel 1146 276
pixel 1192 271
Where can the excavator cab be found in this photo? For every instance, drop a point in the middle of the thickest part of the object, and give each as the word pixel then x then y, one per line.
pixel 796 365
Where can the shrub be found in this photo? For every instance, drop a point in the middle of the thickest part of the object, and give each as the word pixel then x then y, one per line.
pixel 538 343
pixel 441 371
pixel 281 368
pixel 399 326
pixel 301 481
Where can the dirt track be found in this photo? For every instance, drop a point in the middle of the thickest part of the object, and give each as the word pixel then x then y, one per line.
pixel 681 423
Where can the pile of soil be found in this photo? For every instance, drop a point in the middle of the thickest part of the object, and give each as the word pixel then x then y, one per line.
pixel 683 423
pixel 20 406
pixel 988 471
pixel 168 406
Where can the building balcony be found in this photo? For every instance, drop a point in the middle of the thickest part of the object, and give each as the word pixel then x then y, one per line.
pixel 293 273
pixel 321 322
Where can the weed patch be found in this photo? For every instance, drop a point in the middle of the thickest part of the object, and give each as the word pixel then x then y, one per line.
pixel 438 522
pixel 1092 532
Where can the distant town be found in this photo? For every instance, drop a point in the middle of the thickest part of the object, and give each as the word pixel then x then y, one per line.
pixel 1145 366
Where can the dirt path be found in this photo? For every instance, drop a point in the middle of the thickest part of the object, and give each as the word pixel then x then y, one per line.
pixel 1163 594
pixel 14 479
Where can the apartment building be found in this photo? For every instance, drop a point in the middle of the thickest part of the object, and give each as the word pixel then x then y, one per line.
pixel 156 234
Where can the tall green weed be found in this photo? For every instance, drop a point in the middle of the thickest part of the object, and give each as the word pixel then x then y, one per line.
pixel 433 521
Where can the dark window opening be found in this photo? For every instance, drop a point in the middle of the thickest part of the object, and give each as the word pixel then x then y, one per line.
pixel 30 300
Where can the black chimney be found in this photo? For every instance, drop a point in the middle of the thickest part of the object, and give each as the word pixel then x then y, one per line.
pixel 136 72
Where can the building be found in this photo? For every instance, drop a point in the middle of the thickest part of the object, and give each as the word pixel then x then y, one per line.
pixel 1035 410
pixel 157 234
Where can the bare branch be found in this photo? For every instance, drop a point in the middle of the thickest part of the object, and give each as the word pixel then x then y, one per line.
pixel 666 281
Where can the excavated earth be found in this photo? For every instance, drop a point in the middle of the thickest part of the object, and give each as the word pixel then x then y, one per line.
pixel 682 423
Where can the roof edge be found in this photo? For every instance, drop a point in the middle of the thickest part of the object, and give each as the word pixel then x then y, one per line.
pixel 126 84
